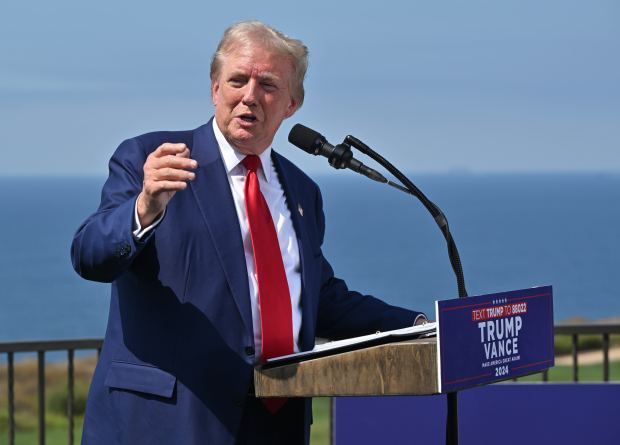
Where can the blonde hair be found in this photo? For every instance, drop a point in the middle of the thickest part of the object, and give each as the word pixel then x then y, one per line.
pixel 253 32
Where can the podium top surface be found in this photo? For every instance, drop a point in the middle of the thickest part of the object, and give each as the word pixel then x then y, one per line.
pixel 401 368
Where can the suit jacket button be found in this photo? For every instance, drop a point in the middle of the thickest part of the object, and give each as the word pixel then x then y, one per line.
pixel 249 350
pixel 123 250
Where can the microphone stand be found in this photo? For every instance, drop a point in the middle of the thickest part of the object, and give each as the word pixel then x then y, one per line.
pixel 344 155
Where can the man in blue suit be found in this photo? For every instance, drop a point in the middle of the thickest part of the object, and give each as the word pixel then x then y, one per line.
pixel 172 236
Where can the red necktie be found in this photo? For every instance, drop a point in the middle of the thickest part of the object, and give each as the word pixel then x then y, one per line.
pixel 274 299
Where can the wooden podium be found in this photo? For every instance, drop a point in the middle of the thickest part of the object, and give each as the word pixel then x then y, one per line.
pixel 486 339
pixel 402 368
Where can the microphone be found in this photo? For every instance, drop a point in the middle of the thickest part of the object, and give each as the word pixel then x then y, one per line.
pixel 339 156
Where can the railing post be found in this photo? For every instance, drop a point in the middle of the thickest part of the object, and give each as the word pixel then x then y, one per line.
pixel 11 395
pixel 606 357
pixel 575 357
pixel 41 391
pixel 70 396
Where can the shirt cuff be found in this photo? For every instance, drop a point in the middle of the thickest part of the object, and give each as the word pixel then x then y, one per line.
pixel 139 232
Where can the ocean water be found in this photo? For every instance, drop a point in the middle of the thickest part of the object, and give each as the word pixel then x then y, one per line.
pixel 512 231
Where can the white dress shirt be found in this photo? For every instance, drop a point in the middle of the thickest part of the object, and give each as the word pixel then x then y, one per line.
pixel 276 201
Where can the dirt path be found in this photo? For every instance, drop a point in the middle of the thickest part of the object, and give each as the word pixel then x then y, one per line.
pixel 589 357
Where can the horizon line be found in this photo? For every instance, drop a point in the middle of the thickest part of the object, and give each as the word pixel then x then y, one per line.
pixel 456 172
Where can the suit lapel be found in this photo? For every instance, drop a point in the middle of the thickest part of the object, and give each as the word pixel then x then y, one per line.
pixel 212 192
pixel 290 187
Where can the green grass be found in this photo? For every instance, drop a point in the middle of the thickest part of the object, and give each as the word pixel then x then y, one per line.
pixel 319 434
pixel 586 373
pixel 53 436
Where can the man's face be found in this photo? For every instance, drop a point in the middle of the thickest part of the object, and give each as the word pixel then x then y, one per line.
pixel 252 97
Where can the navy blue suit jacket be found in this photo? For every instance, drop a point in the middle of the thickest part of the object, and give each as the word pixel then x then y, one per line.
pixel 177 360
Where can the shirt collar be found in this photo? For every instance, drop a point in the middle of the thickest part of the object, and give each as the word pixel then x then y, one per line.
pixel 232 158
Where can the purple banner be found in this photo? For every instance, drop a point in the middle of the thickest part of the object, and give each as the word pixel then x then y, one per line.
pixel 504 414
pixel 494 337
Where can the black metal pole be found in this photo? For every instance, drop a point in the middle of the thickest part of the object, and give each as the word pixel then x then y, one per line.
pixel 452 419
pixel 452 425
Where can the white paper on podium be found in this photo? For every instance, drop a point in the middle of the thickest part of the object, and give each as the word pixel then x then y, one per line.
pixel 423 330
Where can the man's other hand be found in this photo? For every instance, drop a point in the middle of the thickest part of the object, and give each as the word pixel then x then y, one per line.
pixel 166 170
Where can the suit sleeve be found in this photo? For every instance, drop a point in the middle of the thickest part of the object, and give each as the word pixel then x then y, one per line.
pixel 104 246
pixel 344 313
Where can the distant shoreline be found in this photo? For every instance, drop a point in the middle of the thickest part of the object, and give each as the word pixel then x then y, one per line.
pixel 328 173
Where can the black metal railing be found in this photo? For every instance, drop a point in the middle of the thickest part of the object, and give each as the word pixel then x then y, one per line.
pixel 41 347
pixel 604 330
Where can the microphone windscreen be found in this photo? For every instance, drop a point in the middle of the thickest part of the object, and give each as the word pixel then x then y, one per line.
pixel 305 138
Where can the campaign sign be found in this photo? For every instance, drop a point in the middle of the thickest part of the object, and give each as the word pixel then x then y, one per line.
pixel 494 337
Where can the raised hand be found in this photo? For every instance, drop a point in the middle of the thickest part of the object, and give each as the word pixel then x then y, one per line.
pixel 167 170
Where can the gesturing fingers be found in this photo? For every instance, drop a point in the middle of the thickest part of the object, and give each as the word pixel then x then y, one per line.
pixel 169 148
pixel 170 162
pixel 168 166
pixel 166 171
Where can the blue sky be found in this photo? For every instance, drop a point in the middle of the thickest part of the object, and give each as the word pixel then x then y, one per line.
pixel 480 86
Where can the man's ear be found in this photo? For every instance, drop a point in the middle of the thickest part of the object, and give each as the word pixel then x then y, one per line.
pixel 215 86
pixel 292 108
